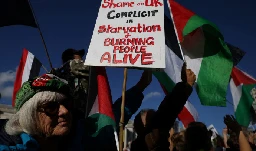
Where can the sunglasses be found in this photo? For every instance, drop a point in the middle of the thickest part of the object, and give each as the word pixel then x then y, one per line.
pixel 52 108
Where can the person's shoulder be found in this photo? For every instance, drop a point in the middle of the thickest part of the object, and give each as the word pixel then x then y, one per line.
pixel 8 140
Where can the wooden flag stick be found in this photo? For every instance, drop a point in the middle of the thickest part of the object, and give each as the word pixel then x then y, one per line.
pixel 121 132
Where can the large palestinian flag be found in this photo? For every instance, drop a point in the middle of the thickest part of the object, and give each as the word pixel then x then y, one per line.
pixel 171 74
pixel 205 52
pixel 174 61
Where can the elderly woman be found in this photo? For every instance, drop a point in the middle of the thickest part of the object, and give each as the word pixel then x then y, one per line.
pixel 43 119
pixel 43 116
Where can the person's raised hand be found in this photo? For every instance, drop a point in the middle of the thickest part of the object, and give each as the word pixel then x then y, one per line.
pixel 225 131
pixel 232 124
pixel 187 75
pixel 147 77
pixel 145 80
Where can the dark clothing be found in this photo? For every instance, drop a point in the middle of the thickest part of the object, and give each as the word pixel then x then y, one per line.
pixel 253 146
pixel 156 135
pixel 6 139
pixel 77 75
pixel 230 149
pixel 219 149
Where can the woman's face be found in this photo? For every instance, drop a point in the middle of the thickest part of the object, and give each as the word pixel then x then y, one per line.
pixel 54 119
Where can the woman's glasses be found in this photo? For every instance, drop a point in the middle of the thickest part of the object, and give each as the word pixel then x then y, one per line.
pixel 52 108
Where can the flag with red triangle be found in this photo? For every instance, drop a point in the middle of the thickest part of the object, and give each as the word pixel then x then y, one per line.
pixel 241 86
pixel 100 123
pixel 29 68
pixel 205 52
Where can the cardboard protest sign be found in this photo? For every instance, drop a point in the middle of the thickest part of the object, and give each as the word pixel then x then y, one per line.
pixel 128 33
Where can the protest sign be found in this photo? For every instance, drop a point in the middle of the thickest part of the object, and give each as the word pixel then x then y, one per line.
pixel 128 33
pixel 214 131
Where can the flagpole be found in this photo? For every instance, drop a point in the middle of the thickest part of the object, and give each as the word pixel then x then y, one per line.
pixel 41 35
pixel 45 68
pixel 175 29
pixel 121 124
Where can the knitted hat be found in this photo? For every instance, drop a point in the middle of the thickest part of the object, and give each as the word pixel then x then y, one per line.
pixel 46 82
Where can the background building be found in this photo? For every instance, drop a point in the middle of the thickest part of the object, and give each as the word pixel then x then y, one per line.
pixel 6 111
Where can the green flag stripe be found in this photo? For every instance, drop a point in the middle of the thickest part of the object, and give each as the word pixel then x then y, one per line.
pixel 215 70
pixel 165 80
pixel 96 122
pixel 196 22
pixel 242 112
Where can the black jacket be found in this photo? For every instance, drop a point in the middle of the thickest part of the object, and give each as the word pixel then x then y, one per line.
pixel 156 135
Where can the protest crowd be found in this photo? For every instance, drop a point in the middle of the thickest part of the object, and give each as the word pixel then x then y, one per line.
pixel 46 120
pixel 70 108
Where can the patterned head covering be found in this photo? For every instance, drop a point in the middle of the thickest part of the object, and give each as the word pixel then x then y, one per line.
pixel 46 82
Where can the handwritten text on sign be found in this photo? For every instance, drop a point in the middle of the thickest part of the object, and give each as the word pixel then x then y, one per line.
pixel 128 33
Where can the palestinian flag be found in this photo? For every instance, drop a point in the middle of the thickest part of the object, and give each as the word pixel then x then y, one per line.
pixel 16 12
pixel 29 67
pixel 205 52
pixel 171 74
pixel 241 86
pixel 188 114
pixel 100 123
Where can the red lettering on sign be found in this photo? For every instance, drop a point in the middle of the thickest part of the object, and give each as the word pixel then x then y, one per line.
pixel 129 41
pixel 127 49
pixel 140 28
pixel 111 4
pixel 106 56
pixel 153 3
pixel 133 60
pixel 146 56
pixel 115 61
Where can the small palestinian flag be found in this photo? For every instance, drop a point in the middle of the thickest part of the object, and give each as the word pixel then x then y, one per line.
pixel 29 67
pixel 100 123
pixel 241 87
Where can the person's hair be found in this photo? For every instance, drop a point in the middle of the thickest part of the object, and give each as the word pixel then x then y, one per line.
pixel 26 119
pixel 138 124
pixel 197 137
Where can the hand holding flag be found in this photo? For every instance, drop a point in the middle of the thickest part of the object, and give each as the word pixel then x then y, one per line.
pixel 187 75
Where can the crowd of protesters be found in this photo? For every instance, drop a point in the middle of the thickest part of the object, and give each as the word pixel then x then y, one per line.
pixel 46 121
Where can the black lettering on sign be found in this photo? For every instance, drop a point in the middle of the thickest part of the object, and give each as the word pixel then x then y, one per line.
pixel 113 14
